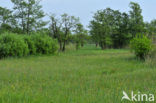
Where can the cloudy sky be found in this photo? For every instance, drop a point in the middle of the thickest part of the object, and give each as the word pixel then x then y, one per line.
pixel 85 8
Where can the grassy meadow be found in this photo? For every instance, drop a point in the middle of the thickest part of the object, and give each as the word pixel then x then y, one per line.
pixel 89 75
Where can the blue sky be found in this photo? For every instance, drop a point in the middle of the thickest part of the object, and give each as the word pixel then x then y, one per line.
pixel 85 8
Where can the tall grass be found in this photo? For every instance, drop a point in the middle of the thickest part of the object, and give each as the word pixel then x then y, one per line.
pixel 151 59
pixel 89 75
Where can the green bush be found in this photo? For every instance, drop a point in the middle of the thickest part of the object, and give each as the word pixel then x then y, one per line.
pixel 44 44
pixel 12 45
pixel 141 45
pixel 31 44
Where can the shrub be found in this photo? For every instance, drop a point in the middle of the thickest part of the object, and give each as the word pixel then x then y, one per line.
pixel 12 45
pixel 31 44
pixel 44 44
pixel 141 45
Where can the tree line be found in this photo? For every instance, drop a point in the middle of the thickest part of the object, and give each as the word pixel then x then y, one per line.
pixel 109 28
pixel 26 17
pixel 114 29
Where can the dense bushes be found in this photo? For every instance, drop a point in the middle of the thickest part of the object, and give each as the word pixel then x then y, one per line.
pixel 141 45
pixel 44 44
pixel 13 45
pixel 31 45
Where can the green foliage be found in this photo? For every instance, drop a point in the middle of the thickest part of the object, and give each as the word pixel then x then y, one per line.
pixel 80 36
pixel 151 29
pixel 12 45
pixel 62 28
pixel 29 15
pixel 77 45
pixel 141 45
pixel 5 28
pixel 120 27
pixel 110 24
pixel 44 44
pixel 31 44
pixel 109 42
pixel 136 19
pixel 5 15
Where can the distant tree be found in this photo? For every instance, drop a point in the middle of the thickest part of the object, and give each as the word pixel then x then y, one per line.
pixel 80 33
pixel 122 35
pixel 151 30
pixel 101 26
pixel 109 28
pixel 69 22
pixel 5 15
pixel 29 15
pixel 56 30
pixel 136 23
pixel 115 29
pixel 5 19
pixel 62 28
pixel 95 34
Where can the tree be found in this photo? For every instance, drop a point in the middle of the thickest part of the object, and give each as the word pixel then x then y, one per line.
pixel 80 33
pixel 105 27
pixel 111 28
pixel 94 26
pixel 5 16
pixel 55 30
pixel 115 31
pixel 29 15
pixel 100 27
pixel 121 36
pixel 7 21
pixel 151 30
pixel 136 23
pixel 69 22
pixel 151 27
pixel 62 28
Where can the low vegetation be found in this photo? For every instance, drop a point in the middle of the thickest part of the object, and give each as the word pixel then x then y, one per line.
pixel 88 75
pixel 13 45
pixel 141 46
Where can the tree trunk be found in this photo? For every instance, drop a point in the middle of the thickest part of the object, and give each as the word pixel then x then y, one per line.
pixel 102 45
pixel 60 46
pixel 64 46
pixel 28 25
pixel 96 44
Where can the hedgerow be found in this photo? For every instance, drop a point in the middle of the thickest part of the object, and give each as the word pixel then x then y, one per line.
pixel 44 44
pixel 14 45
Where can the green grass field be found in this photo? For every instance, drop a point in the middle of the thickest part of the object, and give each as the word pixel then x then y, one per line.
pixel 89 75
